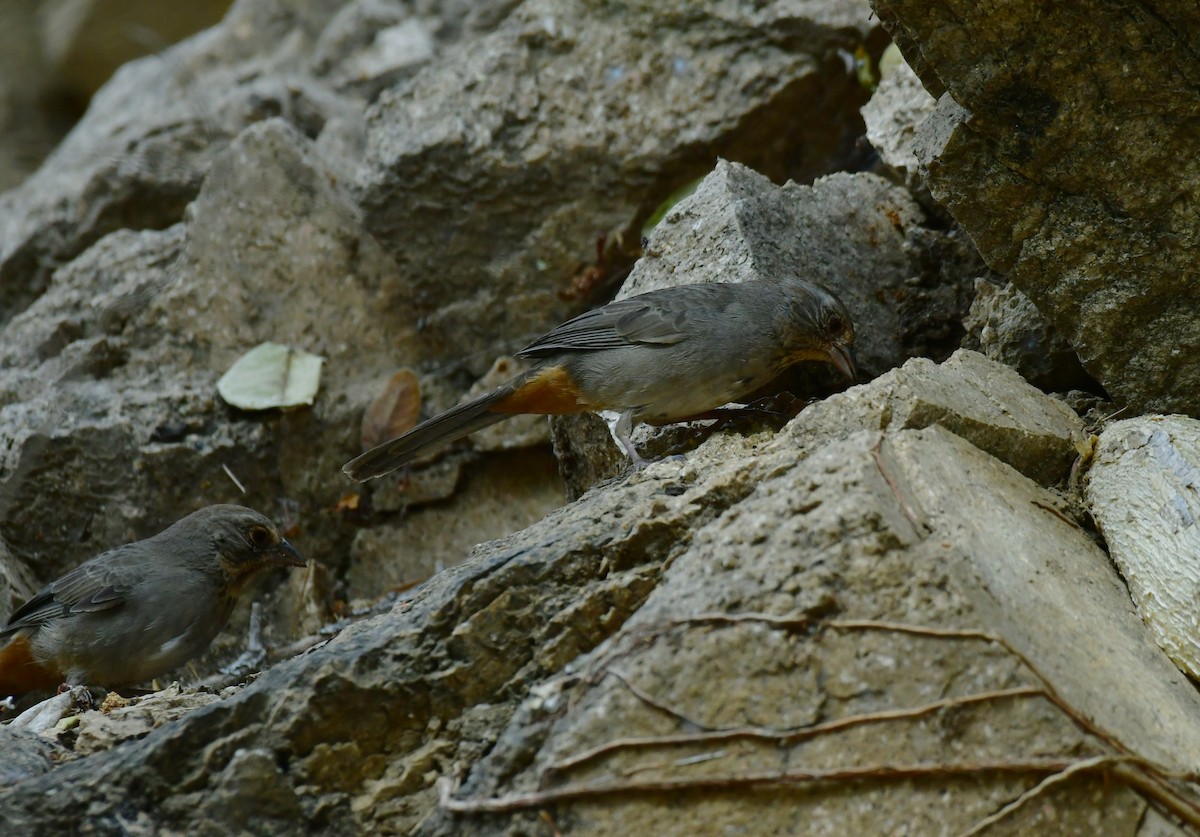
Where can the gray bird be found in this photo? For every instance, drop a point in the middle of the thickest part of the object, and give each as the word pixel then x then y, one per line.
pixel 658 357
pixel 140 610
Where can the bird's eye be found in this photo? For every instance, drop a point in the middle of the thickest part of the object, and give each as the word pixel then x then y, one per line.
pixel 834 324
pixel 260 538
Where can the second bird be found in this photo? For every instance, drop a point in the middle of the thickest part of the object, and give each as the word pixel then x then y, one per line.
pixel 138 611
pixel 658 357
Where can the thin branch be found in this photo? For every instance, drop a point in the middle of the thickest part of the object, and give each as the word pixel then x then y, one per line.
pixel 914 517
pixel 773 779
pixel 786 736
pixel 648 699
pixel 1037 790
pixel 234 479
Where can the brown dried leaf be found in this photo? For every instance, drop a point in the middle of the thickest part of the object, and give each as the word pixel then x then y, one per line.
pixel 394 411
pixel 348 503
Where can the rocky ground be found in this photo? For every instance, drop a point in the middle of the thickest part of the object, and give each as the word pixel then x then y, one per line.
pixel 958 597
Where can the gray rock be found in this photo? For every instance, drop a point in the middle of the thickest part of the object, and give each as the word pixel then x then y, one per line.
pixel 854 233
pixel 491 173
pixel 1005 326
pixel 929 510
pixel 140 153
pixel 120 308
pixel 26 754
pixel 1142 491
pixel 989 405
pixel 892 115
pixel 1066 179
pixel 633 612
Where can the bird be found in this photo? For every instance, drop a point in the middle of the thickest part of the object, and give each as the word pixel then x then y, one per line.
pixel 135 612
pixel 658 357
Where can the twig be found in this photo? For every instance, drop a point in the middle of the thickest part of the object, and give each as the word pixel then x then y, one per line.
pixel 776 779
pixel 646 698
pixel 983 636
pixel 803 622
pixel 1139 773
pixel 236 481
pixel 1153 783
pixel 684 762
pixel 1055 512
pixel 916 519
pixel 786 736
pixel 1038 789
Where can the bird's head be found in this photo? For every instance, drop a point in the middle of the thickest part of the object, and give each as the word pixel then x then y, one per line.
pixel 245 541
pixel 817 326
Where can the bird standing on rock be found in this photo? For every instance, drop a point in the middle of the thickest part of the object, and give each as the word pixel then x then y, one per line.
pixel 136 612
pixel 659 357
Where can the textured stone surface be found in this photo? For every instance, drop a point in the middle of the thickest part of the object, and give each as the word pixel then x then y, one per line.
pixel 928 510
pixel 578 630
pixel 467 154
pixel 896 108
pixel 119 306
pixel 1144 492
pixel 987 404
pixel 1005 326
pixel 1075 170
pixel 429 185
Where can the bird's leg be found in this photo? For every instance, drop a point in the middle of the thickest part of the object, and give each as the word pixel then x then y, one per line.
pixel 623 430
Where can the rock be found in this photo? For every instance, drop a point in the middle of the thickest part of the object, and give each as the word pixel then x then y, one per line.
pixel 1142 491
pixel 513 152
pixel 744 605
pixel 252 786
pixel 1004 325
pixel 119 719
pixel 26 754
pixel 502 493
pixel 113 370
pixel 1055 165
pixel 853 233
pixel 989 405
pixel 723 591
pixel 211 197
pixel 429 186
pixel 140 153
pixel 85 42
pixel 892 115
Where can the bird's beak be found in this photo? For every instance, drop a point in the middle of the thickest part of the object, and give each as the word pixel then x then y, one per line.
pixel 283 554
pixel 841 357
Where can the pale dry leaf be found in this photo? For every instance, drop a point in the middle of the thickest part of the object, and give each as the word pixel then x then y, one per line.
pixel 272 375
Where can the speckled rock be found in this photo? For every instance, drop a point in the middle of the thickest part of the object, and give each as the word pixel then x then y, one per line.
pixel 1144 492
pixel 1005 326
pixel 717 592
pixel 1073 170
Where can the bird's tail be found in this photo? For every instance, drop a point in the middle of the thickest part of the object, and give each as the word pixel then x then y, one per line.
pixel 20 673
pixel 442 429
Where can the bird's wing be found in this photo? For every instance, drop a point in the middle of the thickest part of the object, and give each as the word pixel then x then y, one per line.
pixel 88 588
pixel 655 317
